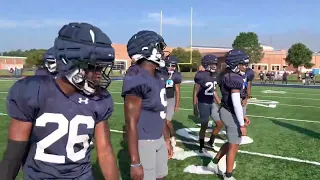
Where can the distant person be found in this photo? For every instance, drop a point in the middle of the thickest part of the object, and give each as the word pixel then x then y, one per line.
pixel 261 75
pixel 312 77
pixel 307 78
pixel 285 78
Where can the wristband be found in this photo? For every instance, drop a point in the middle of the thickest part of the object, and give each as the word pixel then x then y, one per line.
pixel 135 165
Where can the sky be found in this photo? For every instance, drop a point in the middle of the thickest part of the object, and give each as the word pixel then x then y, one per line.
pixel 35 23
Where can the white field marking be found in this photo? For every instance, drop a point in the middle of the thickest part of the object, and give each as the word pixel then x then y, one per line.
pixel 255 116
pixel 272 96
pixel 251 153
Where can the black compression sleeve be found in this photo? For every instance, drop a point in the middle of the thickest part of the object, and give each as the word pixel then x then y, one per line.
pixel 12 159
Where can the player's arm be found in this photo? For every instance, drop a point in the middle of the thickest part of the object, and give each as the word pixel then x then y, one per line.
pixel 238 109
pixel 196 89
pixel 106 157
pixel 20 105
pixel 132 107
pixel 18 142
pixel 178 80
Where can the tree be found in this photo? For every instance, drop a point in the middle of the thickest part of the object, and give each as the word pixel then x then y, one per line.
pixel 299 55
pixel 184 57
pixel 35 57
pixel 249 43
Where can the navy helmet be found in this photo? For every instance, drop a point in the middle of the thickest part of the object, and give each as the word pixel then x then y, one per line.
pixel 236 57
pixel 50 61
pixel 171 61
pixel 84 56
pixel 147 45
pixel 209 62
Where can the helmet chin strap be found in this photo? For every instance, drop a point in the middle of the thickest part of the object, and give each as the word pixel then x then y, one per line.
pixel 76 77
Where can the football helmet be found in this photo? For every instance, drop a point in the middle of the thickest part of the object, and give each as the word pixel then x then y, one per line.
pixel 236 57
pixel 171 63
pixel 50 61
pixel 209 62
pixel 147 45
pixel 85 57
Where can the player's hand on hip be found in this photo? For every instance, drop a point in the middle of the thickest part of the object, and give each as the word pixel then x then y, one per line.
pixel 136 173
pixel 243 131
pixel 244 102
pixel 170 149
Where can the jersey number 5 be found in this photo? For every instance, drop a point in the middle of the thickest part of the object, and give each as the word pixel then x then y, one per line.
pixel 163 102
pixel 64 127
pixel 209 86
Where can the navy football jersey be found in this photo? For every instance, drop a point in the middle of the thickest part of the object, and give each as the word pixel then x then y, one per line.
pixel 171 80
pixel 151 89
pixel 228 82
pixel 63 127
pixel 42 72
pixel 208 83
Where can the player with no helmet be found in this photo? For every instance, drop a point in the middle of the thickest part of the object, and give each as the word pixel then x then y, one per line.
pixel 205 99
pixel 231 112
pixel 145 108
pixel 173 80
pixel 60 117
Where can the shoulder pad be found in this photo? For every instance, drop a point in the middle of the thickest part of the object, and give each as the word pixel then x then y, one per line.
pixel 233 81
pixel 177 78
pixel 23 98
pixel 104 107
pixel 136 85
pixel 250 74
pixel 198 78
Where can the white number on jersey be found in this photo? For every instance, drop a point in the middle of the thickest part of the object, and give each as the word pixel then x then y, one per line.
pixel 64 127
pixel 163 102
pixel 209 86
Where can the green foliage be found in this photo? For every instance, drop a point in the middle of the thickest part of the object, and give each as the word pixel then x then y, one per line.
pixel 299 55
pixel 184 57
pixel 35 58
pixel 249 42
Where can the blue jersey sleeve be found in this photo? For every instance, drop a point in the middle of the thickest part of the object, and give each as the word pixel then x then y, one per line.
pixel 136 85
pixel 104 108
pixel 250 74
pixel 41 72
pixel 233 81
pixel 22 100
pixel 198 78
pixel 177 78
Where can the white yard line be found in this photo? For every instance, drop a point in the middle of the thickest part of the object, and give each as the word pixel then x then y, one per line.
pixel 314 99
pixel 251 153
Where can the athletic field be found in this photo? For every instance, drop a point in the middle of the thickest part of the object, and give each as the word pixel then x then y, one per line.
pixel 283 138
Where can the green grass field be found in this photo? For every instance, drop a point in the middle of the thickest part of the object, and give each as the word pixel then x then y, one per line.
pixel 285 129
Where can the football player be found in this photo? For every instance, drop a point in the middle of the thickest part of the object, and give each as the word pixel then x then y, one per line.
pixel 247 76
pixel 49 63
pixel 173 79
pixel 206 100
pixel 60 116
pixel 145 108
pixel 231 112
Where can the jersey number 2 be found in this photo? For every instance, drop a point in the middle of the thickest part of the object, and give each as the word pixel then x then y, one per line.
pixel 64 128
pixel 163 102
pixel 209 86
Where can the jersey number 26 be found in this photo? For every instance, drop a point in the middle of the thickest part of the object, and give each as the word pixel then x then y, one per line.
pixel 64 128
pixel 209 86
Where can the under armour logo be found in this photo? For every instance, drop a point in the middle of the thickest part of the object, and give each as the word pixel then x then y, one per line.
pixel 86 101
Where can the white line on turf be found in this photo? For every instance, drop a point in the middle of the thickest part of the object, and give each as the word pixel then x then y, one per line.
pixel 255 116
pixel 314 99
pixel 251 153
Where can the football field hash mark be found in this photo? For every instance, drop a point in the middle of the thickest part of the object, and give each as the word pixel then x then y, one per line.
pixel 251 153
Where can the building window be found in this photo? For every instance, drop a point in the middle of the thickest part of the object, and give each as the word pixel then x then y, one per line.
pixel 275 68
pixel 119 65
pixel 259 67
pixel 252 66
pixel 266 68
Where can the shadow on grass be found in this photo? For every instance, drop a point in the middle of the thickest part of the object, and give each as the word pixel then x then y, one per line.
pixel 301 130
pixel 178 125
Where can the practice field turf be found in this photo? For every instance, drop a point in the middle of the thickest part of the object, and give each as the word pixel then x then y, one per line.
pixel 285 129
